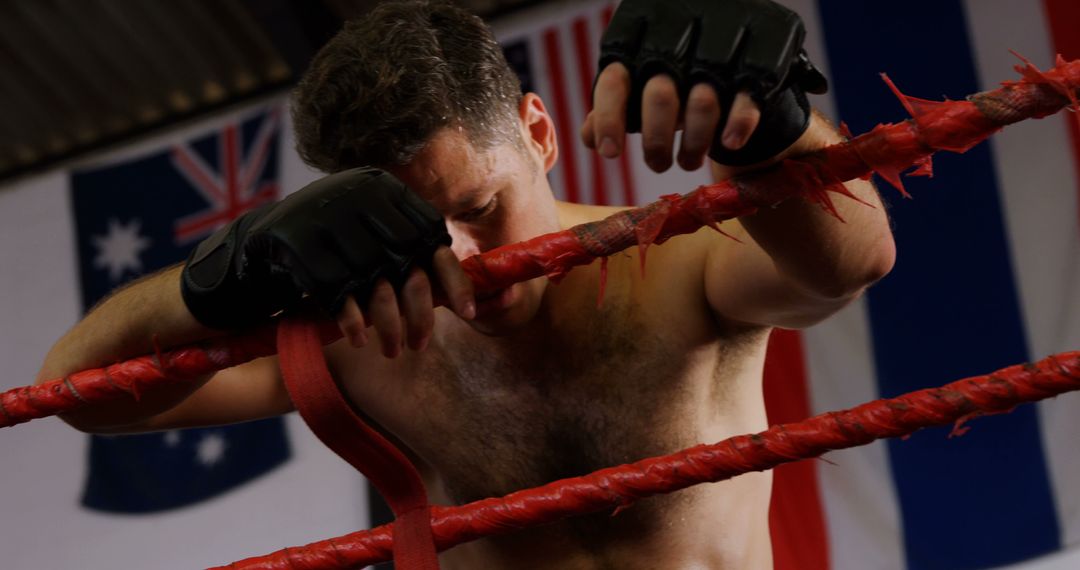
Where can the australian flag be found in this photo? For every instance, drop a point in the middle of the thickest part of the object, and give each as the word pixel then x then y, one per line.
pixel 137 216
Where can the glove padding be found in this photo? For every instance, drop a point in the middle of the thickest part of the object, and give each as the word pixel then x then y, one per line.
pixel 734 45
pixel 332 239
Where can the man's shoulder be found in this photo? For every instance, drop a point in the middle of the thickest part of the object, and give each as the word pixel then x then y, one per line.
pixel 685 254
pixel 572 214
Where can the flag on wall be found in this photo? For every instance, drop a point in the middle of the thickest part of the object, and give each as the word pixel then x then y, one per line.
pixel 988 274
pixel 557 60
pixel 137 216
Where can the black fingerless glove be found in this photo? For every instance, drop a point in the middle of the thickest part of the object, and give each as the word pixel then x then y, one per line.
pixel 334 238
pixel 734 45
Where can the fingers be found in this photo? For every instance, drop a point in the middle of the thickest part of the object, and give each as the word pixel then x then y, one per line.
pixel 604 128
pixel 351 323
pixel 417 309
pixel 607 130
pixel 386 318
pixel 700 120
pixel 407 317
pixel 588 131
pixel 659 118
pixel 460 295
pixel 742 120
pixel 403 318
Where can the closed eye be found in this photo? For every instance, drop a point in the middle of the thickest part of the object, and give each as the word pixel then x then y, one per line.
pixel 477 213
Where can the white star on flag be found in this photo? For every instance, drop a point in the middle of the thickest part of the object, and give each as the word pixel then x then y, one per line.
pixel 119 249
pixel 211 449
pixel 172 437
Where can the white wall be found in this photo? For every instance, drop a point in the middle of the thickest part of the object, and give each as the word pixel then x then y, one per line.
pixel 313 496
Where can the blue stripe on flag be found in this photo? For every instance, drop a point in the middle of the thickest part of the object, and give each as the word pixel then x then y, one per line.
pixel 949 309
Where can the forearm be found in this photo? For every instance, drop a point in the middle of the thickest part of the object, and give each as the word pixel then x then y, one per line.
pixel 138 319
pixel 809 246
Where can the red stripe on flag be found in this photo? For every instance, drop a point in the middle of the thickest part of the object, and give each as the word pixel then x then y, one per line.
pixel 796 518
pixel 585 75
pixel 257 155
pixel 1062 16
pixel 562 114
pixel 202 225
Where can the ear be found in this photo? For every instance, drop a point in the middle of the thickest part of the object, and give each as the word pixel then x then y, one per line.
pixel 538 130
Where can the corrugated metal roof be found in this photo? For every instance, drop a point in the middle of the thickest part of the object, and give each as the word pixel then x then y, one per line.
pixel 77 75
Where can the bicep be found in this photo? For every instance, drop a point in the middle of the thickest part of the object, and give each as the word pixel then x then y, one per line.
pixel 743 284
pixel 250 391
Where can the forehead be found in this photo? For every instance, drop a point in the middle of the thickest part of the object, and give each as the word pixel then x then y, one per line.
pixel 450 168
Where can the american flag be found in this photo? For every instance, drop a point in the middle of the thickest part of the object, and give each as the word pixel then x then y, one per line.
pixel 139 215
pixel 557 61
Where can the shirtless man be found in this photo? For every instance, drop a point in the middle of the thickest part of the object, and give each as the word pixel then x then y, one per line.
pixel 536 382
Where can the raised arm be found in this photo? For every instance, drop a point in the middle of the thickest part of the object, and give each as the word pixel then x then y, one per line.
pixel 798 264
pixel 358 243
pixel 732 75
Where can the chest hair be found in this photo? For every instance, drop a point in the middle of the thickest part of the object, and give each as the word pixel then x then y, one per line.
pixel 523 410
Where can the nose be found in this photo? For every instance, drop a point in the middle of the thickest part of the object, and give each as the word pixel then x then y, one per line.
pixel 464 243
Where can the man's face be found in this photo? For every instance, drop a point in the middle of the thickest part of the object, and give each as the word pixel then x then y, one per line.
pixel 489 197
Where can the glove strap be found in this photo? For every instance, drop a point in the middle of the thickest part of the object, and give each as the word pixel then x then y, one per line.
pixel 332 419
pixel 781 125
pixel 215 292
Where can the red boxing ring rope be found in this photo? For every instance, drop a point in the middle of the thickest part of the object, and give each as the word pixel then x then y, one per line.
pixel 887 150
pixel 618 487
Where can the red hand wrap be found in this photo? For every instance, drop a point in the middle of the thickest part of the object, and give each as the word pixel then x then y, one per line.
pixel 333 420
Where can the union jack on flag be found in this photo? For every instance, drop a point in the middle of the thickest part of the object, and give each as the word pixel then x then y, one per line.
pixel 235 186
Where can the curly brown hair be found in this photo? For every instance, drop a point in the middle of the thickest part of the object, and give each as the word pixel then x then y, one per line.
pixel 386 83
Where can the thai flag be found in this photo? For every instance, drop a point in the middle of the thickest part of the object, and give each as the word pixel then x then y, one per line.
pixel 139 215
pixel 988 275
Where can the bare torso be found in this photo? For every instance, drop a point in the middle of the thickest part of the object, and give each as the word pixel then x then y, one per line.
pixel 650 371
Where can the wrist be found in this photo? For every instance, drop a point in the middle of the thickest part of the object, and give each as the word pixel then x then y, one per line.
pixel 217 285
pixel 820 134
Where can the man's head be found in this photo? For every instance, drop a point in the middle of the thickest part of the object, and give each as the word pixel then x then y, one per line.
pixel 422 90
pixel 386 83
